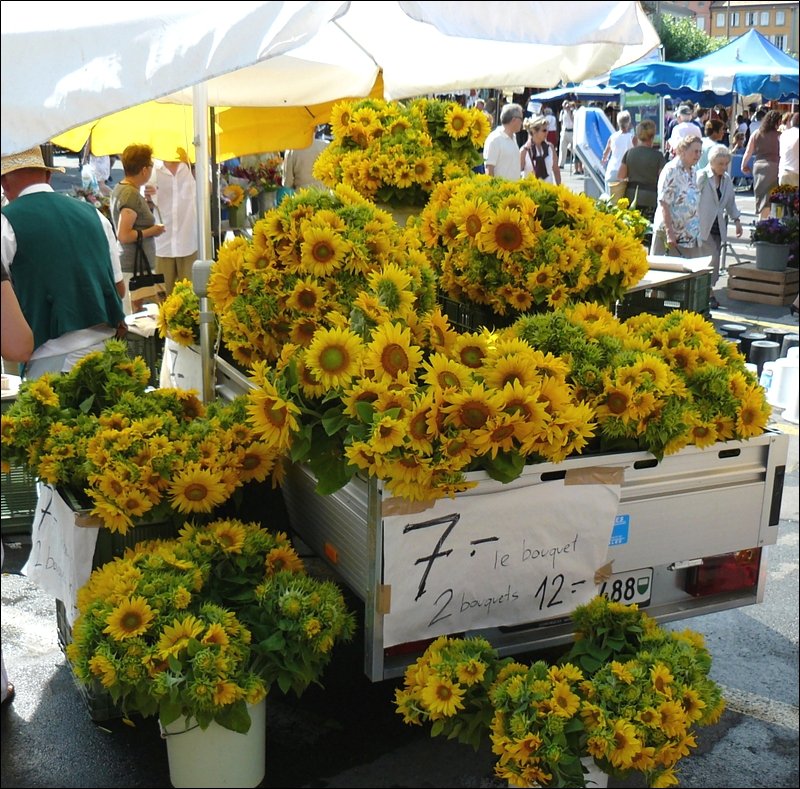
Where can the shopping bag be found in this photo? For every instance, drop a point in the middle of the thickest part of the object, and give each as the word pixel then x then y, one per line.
pixel 145 287
pixel 617 190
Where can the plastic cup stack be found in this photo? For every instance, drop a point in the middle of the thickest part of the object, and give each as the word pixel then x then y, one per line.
pixel 763 351
pixel 789 341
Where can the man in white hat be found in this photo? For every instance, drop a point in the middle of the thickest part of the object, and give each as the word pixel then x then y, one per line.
pixel 62 257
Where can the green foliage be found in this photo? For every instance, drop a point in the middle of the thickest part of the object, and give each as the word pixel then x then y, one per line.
pixel 682 39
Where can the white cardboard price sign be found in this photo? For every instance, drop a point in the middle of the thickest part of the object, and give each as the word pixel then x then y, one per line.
pixel 504 557
pixel 60 561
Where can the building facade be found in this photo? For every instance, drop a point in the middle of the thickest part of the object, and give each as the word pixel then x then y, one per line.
pixel 728 19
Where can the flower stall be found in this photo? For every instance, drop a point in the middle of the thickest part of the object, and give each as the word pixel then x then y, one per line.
pixel 487 477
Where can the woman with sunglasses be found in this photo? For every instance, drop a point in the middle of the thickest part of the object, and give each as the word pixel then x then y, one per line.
pixel 537 156
pixel 132 213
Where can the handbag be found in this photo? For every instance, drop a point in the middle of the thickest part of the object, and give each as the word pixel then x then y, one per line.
pixel 145 287
pixel 617 190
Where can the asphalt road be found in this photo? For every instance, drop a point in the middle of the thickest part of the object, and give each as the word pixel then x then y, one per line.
pixel 348 734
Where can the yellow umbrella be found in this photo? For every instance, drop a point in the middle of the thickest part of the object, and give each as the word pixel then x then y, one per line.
pixel 164 127
pixel 167 127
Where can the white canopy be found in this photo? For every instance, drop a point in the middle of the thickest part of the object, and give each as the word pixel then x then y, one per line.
pixel 66 63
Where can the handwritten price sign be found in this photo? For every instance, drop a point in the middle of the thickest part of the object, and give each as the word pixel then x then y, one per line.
pixel 505 557
pixel 60 560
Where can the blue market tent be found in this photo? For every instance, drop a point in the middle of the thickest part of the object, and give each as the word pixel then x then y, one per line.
pixel 749 64
pixel 581 92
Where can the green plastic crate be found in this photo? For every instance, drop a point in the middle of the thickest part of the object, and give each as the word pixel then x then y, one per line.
pixel 691 294
pixel 151 349
pixel 468 316
pixel 17 501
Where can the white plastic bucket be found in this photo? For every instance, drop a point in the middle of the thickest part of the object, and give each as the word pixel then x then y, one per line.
pixel 783 386
pixel 216 756
pixel 181 367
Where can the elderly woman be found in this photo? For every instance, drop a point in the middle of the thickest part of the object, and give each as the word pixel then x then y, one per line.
pixel 618 143
pixel 537 155
pixel 717 207
pixel 676 228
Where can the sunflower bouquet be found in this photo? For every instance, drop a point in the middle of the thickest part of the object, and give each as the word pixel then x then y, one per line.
pixel 395 153
pixel 139 456
pixel 528 246
pixel 536 729
pixel 647 689
pixel 204 625
pixel 179 314
pixel 628 695
pixel 305 265
pixel 448 687
pixel 653 383
pixel 414 403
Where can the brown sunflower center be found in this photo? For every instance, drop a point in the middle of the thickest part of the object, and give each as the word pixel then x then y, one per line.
pixel 394 359
pixel 508 236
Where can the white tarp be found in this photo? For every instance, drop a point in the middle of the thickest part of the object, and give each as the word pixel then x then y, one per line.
pixel 67 63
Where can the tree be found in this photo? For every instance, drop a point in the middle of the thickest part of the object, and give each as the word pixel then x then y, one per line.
pixel 682 40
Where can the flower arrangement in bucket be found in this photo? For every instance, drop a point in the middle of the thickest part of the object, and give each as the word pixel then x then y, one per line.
pixel 774 231
pixel 527 246
pixel 776 242
pixel 302 270
pixel 139 456
pixel 395 153
pixel 201 625
pixel 628 695
pixel 784 200
pixel 268 175
pixel 197 630
pixel 648 689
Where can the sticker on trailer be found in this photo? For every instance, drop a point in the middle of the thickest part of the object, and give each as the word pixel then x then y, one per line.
pixel 619 534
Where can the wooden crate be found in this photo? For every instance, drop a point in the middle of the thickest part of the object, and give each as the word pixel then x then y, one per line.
pixel 748 283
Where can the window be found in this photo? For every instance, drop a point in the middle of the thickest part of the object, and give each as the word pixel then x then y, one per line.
pixel 780 18
pixel 764 18
pixel 779 41
pixel 734 15
pixel 701 23
pixel 750 18
pixel 720 20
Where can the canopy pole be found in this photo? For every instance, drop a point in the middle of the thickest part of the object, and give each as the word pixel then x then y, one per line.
pixel 205 250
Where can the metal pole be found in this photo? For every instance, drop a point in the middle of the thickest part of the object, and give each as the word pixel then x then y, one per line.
pixel 205 249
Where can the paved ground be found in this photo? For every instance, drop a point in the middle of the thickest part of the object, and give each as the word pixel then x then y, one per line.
pixel 348 735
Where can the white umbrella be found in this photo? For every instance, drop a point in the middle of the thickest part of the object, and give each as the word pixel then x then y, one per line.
pixel 67 63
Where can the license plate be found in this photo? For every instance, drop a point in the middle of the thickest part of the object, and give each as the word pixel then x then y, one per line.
pixel 631 587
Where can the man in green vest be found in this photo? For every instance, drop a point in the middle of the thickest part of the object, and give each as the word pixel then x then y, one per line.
pixel 63 260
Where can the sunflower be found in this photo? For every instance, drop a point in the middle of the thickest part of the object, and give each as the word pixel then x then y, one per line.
pixel 625 744
pixel 175 637
pixel 334 356
pixel 196 489
pixel 390 352
pixel 130 618
pixel 443 697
